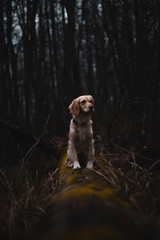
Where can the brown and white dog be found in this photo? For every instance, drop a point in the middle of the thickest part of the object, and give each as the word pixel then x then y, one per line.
pixel 81 133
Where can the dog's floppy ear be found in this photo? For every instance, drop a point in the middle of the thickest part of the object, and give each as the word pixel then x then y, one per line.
pixel 74 107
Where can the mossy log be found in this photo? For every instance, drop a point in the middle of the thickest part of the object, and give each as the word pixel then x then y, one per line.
pixel 85 207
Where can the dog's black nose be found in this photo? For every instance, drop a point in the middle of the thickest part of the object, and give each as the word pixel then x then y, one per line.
pixel 91 108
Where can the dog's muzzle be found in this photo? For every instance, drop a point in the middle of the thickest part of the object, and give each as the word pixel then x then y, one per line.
pixel 90 109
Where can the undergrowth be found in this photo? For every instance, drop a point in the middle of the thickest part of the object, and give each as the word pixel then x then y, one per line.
pixel 24 196
pixel 26 191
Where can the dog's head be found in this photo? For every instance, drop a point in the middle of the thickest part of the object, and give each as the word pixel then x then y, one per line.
pixel 82 104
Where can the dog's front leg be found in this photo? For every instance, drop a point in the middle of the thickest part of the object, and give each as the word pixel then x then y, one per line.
pixel 90 155
pixel 72 155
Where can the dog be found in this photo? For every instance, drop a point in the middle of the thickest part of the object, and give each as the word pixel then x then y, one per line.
pixel 81 132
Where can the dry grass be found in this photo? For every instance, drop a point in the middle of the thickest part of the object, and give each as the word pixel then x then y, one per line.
pixel 133 181
pixel 24 197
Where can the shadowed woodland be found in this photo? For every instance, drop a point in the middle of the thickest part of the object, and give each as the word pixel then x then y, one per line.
pixel 52 52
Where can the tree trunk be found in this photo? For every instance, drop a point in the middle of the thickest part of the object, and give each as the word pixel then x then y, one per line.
pixel 72 54
pixel 3 66
pixel 86 207
pixel 13 85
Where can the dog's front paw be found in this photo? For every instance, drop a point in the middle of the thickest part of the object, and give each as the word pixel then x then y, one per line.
pixel 90 165
pixel 69 163
pixel 76 165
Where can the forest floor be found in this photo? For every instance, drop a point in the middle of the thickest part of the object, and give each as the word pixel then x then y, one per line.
pixel 29 173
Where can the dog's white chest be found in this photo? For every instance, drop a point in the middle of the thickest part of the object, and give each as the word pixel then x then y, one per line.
pixel 85 133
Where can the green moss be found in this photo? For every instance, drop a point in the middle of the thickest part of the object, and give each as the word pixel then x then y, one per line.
pixel 63 168
pixel 61 150
pixel 79 183
pixel 74 178
pixel 91 189
pixel 64 171
pixel 67 174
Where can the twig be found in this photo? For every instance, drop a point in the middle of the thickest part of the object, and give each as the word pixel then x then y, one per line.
pixel 5 181
pixel 50 177
pixel 130 152
pixel 33 148
pixel 29 137
pixel 154 164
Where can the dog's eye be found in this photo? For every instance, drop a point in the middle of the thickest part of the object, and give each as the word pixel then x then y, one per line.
pixel 91 101
pixel 84 101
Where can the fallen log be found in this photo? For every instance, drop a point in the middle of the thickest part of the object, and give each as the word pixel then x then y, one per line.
pixel 87 207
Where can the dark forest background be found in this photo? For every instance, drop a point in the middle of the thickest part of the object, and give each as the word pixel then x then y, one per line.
pixel 54 51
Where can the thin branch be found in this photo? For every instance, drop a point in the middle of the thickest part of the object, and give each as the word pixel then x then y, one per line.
pixel 30 138
pixel 6 183
pixel 33 148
